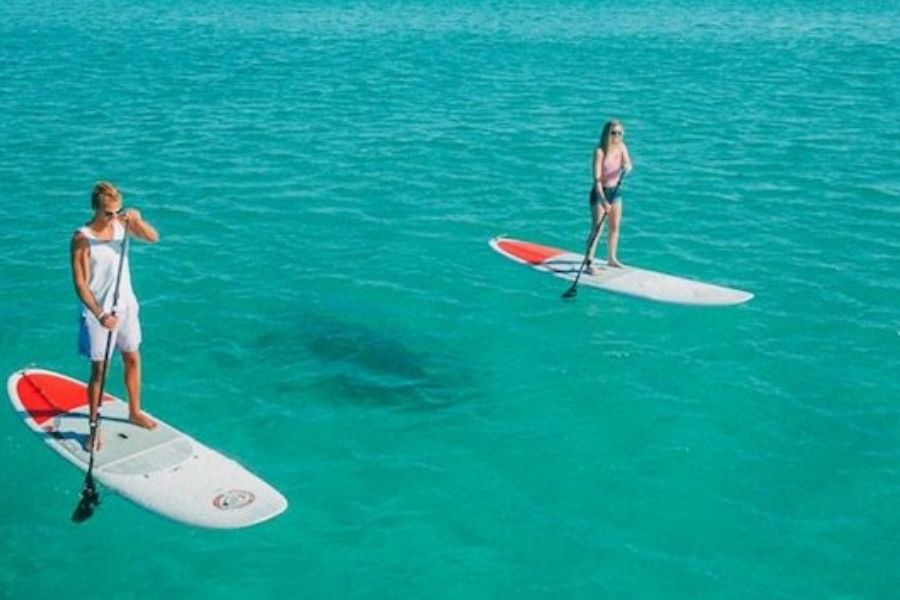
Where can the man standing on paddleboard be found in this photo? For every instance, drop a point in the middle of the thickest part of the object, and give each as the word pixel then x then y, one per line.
pixel 96 251
pixel 611 163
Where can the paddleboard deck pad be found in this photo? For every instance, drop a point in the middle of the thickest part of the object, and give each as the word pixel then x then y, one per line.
pixel 162 470
pixel 630 281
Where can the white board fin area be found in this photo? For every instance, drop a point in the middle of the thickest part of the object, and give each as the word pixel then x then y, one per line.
pixel 629 281
pixel 163 470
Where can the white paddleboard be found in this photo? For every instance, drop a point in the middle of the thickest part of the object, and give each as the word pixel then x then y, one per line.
pixel 630 281
pixel 162 470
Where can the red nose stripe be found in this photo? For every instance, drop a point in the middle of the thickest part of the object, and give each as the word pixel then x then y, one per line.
pixel 533 254
pixel 45 396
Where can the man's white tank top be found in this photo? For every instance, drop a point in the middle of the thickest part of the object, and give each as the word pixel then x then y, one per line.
pixel 104 268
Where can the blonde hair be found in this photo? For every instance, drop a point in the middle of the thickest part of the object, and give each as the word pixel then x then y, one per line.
pixel 104 191
pixel 604 137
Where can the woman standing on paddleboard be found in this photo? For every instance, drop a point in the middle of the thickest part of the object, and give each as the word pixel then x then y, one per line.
pixel 611 162
pixel 96 251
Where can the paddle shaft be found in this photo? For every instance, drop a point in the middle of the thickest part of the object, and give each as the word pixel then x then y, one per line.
pixel 590 243
pixel 570 293
pixel 89 493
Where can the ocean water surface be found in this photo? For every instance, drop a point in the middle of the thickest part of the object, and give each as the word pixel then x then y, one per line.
pixel 324 307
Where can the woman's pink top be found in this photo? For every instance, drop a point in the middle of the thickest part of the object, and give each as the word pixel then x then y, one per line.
pixel 612 166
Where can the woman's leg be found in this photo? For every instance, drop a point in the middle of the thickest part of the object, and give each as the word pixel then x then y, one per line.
pixel 593 240
pixel 615 219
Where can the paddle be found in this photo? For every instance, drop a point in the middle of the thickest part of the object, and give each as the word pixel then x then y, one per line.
pixel 573 289
pixel 90 497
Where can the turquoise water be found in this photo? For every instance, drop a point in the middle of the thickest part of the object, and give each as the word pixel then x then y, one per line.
pixel 324 307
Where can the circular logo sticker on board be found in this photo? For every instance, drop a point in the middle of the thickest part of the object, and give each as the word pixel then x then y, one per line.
pixel 233 499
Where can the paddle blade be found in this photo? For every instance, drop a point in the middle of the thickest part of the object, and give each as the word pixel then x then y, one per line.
pixel 570 293
pixel 90 499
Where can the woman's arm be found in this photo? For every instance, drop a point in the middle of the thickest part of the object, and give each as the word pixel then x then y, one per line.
pixel 598 171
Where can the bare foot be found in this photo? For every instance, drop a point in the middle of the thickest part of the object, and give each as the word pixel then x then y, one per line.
pixel 590 269
pixel 614 263
pixel 96 438
pixel 142 420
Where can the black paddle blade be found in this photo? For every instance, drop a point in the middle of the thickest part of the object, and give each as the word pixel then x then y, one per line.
pixel 90 499
pixel 570 293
